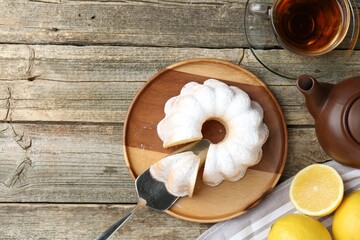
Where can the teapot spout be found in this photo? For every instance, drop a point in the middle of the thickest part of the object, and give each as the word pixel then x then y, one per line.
pixel 316 94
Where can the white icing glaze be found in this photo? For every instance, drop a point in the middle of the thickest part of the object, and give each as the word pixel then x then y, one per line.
pixel 243 119
pixel 178 172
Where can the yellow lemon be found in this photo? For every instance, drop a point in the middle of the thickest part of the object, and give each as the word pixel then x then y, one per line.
pixel 298 227
pixel 317 190
pixel 346 223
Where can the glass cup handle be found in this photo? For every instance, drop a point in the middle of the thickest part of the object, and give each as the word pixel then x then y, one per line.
pixel 260 9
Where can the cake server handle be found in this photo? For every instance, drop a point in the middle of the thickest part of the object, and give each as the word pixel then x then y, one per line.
pixel 113 228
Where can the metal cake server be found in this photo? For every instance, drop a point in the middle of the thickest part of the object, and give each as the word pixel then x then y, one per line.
pixel 153 193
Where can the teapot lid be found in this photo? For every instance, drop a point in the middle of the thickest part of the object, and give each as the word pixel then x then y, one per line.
pixel 353 120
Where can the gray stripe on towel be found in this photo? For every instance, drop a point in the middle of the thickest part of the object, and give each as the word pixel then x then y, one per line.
pixel 256 223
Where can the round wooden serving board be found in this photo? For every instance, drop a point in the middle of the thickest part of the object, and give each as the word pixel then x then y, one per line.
pixel 142 146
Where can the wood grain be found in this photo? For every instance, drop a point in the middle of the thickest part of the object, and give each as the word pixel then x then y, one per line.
pixel 87 221
pixel 137 23
pixel 85 163
pixel 214 24
pixel 97 83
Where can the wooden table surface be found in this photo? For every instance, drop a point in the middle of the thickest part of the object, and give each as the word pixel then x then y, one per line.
pixel 69 71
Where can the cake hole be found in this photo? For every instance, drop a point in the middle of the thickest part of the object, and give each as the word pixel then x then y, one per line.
pixel 214 131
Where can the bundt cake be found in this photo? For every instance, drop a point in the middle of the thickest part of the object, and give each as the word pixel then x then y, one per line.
pixel 214 100
pixel 178 172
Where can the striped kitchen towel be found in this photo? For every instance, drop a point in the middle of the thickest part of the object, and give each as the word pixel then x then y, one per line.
pixel 256 223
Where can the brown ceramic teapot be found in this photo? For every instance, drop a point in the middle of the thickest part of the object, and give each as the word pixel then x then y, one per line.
pixel 336 110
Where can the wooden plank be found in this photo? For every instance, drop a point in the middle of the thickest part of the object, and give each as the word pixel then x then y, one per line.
pixel 68 163
pixel 85 163
pixel 304 149
pixel 97 83
pixel 136 23
pixel 90 84
pixel 104 102
pixel 214 24
pixel 87 221
pixel 97 63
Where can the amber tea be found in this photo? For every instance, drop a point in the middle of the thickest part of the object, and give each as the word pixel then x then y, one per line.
pixel 310 27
